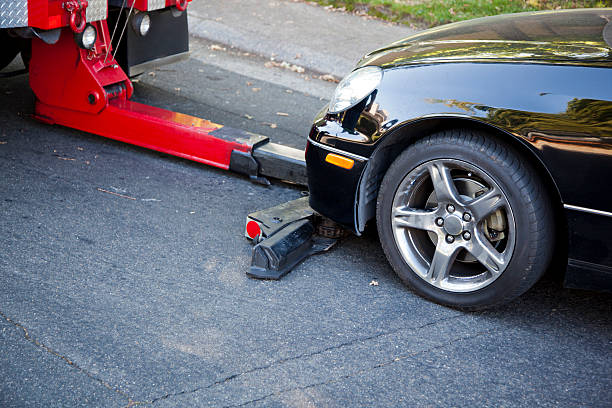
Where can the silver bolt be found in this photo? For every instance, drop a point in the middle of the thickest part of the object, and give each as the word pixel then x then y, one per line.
pixel 450 239
pixel 467 217
pixel 439 222
pixel 467 236
pixel 450 208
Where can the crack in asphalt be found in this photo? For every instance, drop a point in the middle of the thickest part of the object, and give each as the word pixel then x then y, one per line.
pixel 42 346
pixel 358 372
pixel 305 356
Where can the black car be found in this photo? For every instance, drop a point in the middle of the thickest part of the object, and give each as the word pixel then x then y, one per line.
pixel 483 150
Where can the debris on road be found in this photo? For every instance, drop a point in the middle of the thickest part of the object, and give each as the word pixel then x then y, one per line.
pixel 116 194
pixel 285 65
pixel 329 78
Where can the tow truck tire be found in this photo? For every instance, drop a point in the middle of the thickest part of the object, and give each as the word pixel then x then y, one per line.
pixel 10 48
pixel 465 220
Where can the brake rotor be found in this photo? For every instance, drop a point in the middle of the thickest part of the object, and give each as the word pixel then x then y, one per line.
pixel 494 225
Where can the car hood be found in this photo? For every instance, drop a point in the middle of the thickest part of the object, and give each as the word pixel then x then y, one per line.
pixel 581 37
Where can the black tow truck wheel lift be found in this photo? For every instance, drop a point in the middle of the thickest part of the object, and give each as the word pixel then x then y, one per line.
pixel 285 235
pixel 288 233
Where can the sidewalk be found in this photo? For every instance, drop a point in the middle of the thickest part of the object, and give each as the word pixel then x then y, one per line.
pixel 293 31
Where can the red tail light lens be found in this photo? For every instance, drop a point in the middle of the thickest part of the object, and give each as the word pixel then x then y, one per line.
pixel 253 229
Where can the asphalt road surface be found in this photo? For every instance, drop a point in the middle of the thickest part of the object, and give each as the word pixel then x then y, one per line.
pixel 113 301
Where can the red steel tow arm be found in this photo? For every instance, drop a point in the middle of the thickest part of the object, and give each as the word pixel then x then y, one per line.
pixel 87 90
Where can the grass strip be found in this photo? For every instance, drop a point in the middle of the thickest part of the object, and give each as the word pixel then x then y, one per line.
pixel 435 12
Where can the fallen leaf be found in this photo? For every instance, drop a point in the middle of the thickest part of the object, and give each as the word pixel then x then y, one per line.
pixel 329 78
pixel 285 65
pixel 297 68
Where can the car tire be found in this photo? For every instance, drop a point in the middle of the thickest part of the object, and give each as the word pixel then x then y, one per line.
pixel 465 220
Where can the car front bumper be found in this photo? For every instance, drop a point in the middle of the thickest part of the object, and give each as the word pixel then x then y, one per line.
pixel 333 190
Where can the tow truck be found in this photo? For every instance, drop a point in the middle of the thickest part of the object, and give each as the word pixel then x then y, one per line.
pixel 80 55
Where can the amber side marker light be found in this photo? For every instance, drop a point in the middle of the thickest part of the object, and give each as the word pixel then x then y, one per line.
pixel 340 161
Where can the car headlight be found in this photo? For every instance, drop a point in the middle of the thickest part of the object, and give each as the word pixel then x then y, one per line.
pixel 354 88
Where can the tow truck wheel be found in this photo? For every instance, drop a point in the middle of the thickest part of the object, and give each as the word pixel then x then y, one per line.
pixel 464 221
pixel 10 48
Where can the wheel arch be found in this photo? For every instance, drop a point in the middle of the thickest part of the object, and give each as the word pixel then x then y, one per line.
pixel 407 133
